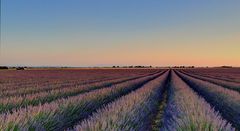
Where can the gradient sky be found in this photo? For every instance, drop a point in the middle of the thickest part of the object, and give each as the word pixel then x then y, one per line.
pixel 120 32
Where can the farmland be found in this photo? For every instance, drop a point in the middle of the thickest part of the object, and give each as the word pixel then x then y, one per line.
pixel 120 99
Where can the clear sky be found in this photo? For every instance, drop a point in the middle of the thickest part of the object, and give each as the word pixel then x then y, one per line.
pixel 120 32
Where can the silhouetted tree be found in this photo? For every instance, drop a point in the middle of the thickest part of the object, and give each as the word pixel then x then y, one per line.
pixel 3 67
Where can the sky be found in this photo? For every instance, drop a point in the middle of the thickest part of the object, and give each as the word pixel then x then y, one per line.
pixel 120 32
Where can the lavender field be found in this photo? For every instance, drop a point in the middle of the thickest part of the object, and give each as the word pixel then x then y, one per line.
pixel 146 99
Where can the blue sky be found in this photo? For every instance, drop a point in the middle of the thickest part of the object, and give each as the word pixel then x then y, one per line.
pixel 110 32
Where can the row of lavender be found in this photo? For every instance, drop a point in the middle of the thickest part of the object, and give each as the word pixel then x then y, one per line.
pixel 185 110
pixel 130 112
pixel 33 87
pixel 224 100
pixel 227 84
pixel 226 74
pixel 17 101
pixel 13 77
pixel 188 111
pixel 36 89
pixel 42 80
pixel 62 113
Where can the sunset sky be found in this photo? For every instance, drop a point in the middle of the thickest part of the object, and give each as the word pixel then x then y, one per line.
pixel 120 32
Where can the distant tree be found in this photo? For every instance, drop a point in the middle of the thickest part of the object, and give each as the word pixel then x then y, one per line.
pixel 3 67
pixel 20 68
pixel 226 66
pixel 138 66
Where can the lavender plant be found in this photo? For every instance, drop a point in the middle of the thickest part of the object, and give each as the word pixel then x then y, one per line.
pixel 9 103
pixel 187 111
pixel 226 101
pixel 230 85
pixel 63 113
pixel 130 112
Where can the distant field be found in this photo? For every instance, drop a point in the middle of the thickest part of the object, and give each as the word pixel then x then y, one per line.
pixel 120 99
